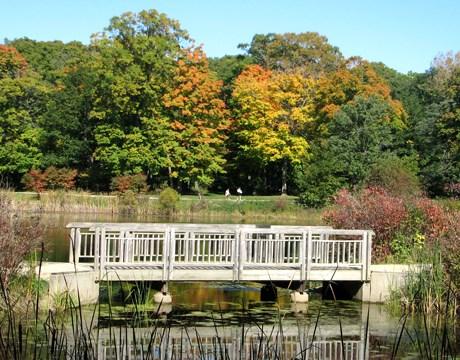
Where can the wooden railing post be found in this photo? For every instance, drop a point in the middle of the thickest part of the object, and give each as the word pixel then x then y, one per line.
pixel 369 255
pixel 303 256
pixel 235 257
pixel 309 253
pixel 242 254
pixel 121 248
pixel 172 252
pixel 97 240
pixel 77 245
pixel 103 252
pixel 72 246
pixel 166 242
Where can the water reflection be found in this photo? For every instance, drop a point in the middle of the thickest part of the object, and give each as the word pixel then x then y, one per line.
pixel 229 322
pixel 239 326
pixel 261 331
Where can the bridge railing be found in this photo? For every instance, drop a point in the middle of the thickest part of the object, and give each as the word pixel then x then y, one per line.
pixel 235 247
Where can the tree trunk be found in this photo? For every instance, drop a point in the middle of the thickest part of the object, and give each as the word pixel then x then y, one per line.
pixel 284 170
pixel 170 177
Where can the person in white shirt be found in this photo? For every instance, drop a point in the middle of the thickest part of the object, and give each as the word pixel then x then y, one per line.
pixel 239 192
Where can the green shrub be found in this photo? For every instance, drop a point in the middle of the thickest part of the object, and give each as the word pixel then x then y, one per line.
pixel 318 184
pixel 128 202
pixel 169 199
pixel 398 176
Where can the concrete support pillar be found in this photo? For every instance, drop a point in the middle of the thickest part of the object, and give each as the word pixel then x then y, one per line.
pixel 163 296
pixel 300 295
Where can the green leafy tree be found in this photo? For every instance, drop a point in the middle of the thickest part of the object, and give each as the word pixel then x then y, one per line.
pixel 361 133
pixel 50 58
pixel 68 136
pixel 134 62
pixel 22 103
pixel 227 69
pixel 436 133
pixel 309 51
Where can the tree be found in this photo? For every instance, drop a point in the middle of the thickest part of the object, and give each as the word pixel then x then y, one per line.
pixel 68 136
pixel 198 120
pixel 50 58
pixel 22 103
pixel 227 69
pixel 360 134
pixel 12 63
pixel 285 52
pixel 336 89
pixel 273 110
pixel 134 62
pixel 436 133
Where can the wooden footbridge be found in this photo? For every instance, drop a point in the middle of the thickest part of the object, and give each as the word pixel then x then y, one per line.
pixel 208 252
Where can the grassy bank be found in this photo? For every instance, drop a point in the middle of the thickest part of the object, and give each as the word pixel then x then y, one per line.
pixel 278 208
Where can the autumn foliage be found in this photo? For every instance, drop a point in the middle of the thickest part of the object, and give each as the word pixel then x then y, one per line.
pixel 50 179
pixel 198 120
pixel 12 63
pixel 136 183
pixel 373 209
pixel 356 78
pixel 391 217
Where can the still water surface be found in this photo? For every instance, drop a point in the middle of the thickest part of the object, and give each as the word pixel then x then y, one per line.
pixel 228 321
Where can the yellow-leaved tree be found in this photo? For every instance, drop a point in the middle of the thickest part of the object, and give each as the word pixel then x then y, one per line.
pixel 273 111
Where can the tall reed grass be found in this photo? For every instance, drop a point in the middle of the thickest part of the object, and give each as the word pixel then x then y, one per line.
pixel 277 208
pixel 426 288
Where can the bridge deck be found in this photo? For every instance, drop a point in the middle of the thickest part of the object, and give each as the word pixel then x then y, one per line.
pixel 206 252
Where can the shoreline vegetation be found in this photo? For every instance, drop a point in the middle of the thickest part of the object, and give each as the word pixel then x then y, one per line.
pixel 29 327
pixel 212 206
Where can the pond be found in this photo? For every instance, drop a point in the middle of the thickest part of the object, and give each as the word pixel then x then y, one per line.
pixel 228 320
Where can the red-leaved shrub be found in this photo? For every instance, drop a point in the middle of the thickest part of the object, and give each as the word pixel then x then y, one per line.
pixel 391 217
pixel 50 179
pixel 136 183
pixel 374 209
pixel 34 180
pixel 436 221
pixel 60 178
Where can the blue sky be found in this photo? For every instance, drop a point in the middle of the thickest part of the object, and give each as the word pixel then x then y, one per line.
pixel 404 34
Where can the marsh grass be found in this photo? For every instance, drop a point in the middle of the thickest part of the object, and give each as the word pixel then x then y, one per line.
pixel 209 207
pixel 426 288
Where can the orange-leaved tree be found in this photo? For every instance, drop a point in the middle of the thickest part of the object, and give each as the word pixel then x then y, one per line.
pixel 198 119
pixel 356 79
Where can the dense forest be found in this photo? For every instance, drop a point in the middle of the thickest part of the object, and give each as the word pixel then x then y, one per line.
pixel 143 103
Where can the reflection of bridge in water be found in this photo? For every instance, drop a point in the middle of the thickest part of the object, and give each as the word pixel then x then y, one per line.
pixel 191 252
pixel 271 342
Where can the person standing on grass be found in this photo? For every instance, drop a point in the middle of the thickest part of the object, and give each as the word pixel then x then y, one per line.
pixel 239 192
pixel 227 193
